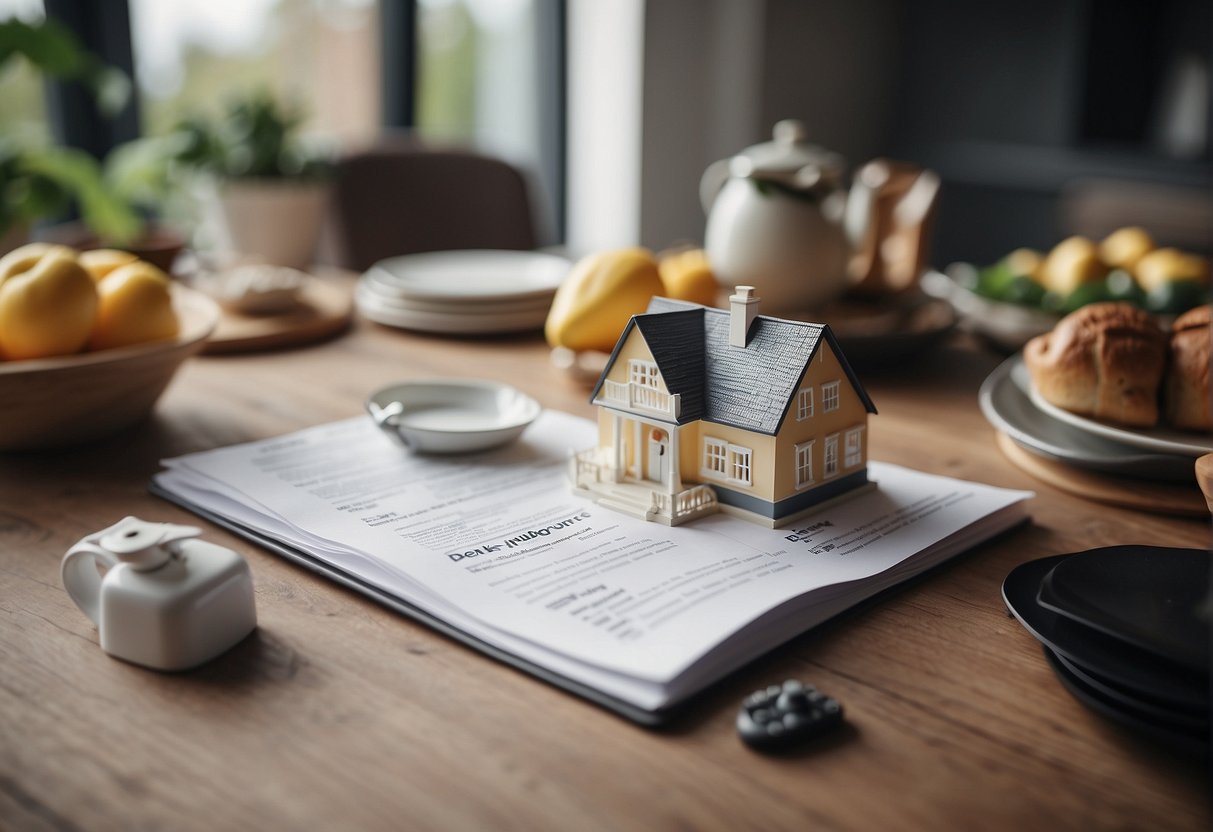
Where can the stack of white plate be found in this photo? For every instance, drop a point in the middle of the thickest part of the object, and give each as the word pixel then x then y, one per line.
pixel 480 292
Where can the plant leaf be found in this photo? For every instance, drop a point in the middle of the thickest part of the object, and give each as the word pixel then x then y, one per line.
pixel 79 174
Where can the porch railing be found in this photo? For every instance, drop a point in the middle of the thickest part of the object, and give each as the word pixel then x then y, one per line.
pixel 640 397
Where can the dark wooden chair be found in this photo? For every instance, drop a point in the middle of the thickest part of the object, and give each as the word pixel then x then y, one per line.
pixel 404 198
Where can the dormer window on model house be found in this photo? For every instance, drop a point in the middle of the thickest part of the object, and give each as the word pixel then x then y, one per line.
pixel 703 410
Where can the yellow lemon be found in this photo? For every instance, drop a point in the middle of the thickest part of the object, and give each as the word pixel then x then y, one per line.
pixel 47 308
pixel 600 295
pixel 1123 248
pixel 1025 262
pixel 1168 265
pixel 687 276
pixel 135 306
pixel 101 261
pixel 1072 262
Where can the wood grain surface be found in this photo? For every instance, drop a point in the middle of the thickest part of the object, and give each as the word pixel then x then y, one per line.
pixel 339 714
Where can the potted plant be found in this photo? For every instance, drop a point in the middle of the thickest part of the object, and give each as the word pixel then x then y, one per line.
pixel 39 183
pixel 270 191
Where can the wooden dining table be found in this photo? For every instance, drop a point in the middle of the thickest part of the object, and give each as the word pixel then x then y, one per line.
pixel 338 713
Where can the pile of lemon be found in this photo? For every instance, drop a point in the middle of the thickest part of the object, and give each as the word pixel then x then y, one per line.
pixel 1127 265
pixel 57 301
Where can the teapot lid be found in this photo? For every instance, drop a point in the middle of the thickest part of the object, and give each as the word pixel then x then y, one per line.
pixel 790 160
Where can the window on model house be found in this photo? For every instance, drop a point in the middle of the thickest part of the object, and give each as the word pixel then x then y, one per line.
pixel 715 456
pixel 728 462
pixel 643 373
pixel 804 464
pixel 740 460
pixel 829 396
pixel 830 459
pixel 852 447
pixel 804 404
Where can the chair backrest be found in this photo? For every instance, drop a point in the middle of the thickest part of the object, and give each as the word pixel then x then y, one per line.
pixel 403 199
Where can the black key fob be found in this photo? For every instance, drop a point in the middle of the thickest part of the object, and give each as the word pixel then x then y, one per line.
pixel 784 716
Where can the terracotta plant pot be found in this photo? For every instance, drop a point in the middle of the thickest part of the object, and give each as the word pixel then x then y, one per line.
pixel 159 245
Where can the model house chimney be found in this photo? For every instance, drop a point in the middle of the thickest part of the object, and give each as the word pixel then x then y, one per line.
pixel 743 309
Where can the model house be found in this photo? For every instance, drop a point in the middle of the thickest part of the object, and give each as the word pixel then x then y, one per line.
pixel 704 409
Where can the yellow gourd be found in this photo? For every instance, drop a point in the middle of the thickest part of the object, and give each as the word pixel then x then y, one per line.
pixel 135 306
pixel 599 296
pixel 687 276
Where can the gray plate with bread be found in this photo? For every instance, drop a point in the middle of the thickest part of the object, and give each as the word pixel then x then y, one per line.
pixel 1109 390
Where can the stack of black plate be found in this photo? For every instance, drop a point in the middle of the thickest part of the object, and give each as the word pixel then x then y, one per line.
pixel 1126 630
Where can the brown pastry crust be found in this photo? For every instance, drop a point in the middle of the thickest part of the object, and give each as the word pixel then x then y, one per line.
pixel 1187 388
pixel 1105 360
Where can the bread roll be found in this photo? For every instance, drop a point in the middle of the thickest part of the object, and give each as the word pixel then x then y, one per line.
pixel 1187 389
pixel 1105 360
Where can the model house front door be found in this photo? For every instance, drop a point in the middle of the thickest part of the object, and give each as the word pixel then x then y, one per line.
pixel 659 455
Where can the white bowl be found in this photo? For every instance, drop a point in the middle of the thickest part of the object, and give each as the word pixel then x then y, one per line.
pixel 75 398
pixel 447 417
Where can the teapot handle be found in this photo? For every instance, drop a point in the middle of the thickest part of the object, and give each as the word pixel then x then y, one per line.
pixel 711 182
pixel 138 543
pixel 81 578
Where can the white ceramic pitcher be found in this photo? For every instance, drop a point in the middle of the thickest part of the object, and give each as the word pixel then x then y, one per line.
pixel 775 220
pixel 167 600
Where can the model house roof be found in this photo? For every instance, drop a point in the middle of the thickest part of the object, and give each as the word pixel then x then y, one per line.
pixel 749 388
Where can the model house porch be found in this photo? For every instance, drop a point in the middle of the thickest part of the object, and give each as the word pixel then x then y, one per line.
pixel 637 472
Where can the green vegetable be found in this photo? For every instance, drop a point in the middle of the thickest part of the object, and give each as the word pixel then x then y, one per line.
pixel 1093 292
pixel 1023 290
pixel 1121 286
pixel 1175 296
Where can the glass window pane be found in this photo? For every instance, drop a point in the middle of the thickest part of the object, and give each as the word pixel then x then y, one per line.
pixel 23 115
pixel 191 55
pixel 484 72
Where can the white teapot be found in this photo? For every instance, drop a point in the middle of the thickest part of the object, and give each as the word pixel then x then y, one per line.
pixel 167 601
pixel 779 219
pixel 775 220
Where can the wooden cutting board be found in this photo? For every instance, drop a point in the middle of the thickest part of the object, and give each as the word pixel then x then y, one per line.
pixel 326 307
pixel 1158 497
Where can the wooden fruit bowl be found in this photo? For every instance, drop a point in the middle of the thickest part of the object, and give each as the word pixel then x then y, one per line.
pixel 51 402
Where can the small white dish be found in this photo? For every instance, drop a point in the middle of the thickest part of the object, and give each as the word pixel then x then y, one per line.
pixel 451 417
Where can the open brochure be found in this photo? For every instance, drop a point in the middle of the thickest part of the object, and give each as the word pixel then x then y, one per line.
pixel 496 550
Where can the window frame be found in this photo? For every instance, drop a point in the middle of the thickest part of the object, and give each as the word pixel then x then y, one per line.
pixel 804 404
pixel 802 464
pixel 829 457
pixel 830 396
pixel 644 373
pixel 736 462
pixel 715 450
pixel 856 434
pixel 741 462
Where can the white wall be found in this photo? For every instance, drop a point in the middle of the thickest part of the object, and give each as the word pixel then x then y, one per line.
pixel 605 41
pixel 659 89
